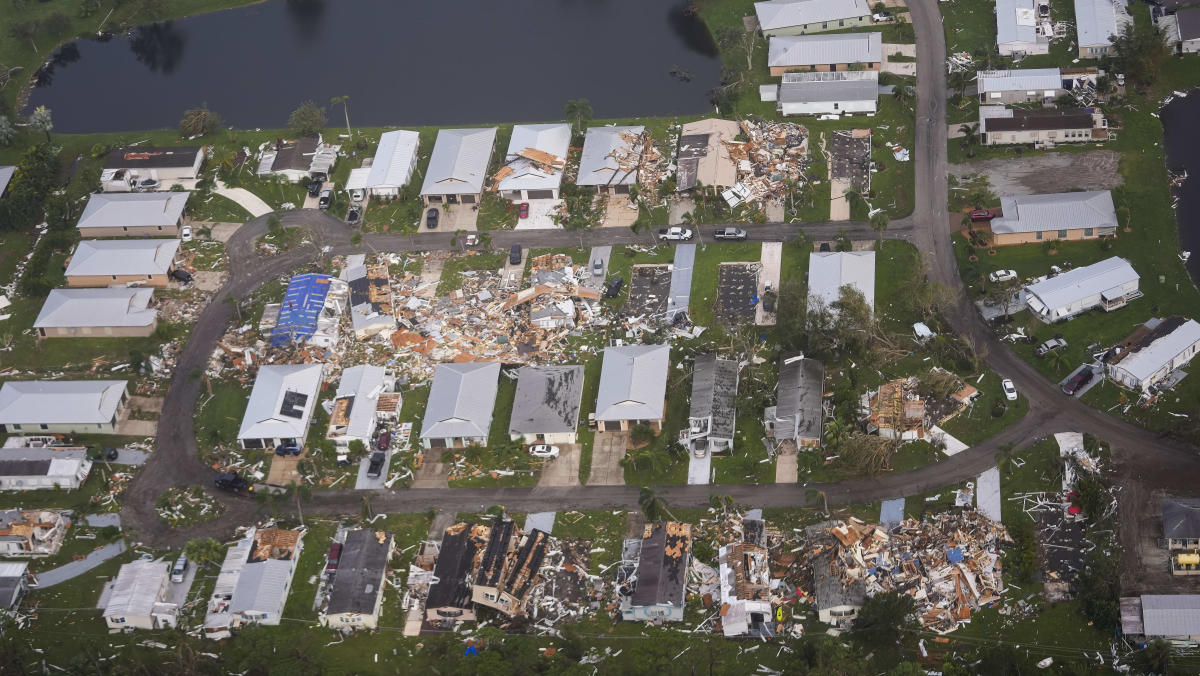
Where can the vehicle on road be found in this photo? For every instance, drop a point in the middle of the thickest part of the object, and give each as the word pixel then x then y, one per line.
pixel 514 255
pixel 598 267
pixel 982 215
pixel 1002 275
pixel 181 275
pixel 179 570
pixel 357 195
pixel 1050 346
pixel 543 451
pixel 185 233
pixel 734 234
pixel 326 199
pixel 314 188
pixel 523 210
pixel 1010 390
pixel 613 289
pixel 1077 382
pixel 384 441
pixel 353 216
pixel 375 468
pixel 287 449
pixel 674 234
pixel 472 241
pixel 431 218
pixel 231 481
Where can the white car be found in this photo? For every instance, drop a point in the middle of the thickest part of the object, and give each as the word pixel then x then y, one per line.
pixel 1010 390
pixel 674 234
pixel 1002 275
pixel 543 451
pixel 185 233
pixel 357 195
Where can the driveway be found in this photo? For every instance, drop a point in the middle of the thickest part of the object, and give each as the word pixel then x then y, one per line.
pixel 366 483
pixel 787 467
pixel 1097 378
pixel 681 279
pixel 699 469
pixel 137 428
pixel 284 470
pixel 563 470
pixel 433 472
pixel 177 592
pixel 620 212
pixel 607 452
pixel 76 568
pixel 541 215
pixel 768 273
pixel 245 199
pixel 599 253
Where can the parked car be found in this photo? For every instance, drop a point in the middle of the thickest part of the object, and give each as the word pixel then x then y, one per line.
pixel 185 233
pixel 881 16
pixel 598 267
pixel 674 234
pixel 181 275
pixel 333 557
pixel 326 199
pixel 982 215
pixel 287 449
pixel 514 255
pixel 543 451
pixel 431 218
pixel 1010 390
pixel 1050 346
pixel 107 453
pixel 231 481
pixel 613 289
pixel 1077 381
pixel 179 570
pixel 375 468
pixel 384 440
pixel 824 248
pixel 736 234
pixel 357 195
pixel 147 184
pixel 523 210
pixel 591 421
pixel 1002 275
pixel 314 188
pixel 353 216
pixel 472 241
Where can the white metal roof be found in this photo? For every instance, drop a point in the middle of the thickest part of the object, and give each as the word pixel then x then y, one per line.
pixel 364 383
pixel 6 174
pixel 552 139
pixel 105 257
pixel 25 461
pixel 59 401
pixel 357 180
pixel 828 272
pixel 13 568
pixel 112 306
pixel 811 50
pixel 1171 614
pixel 1097 20
pixel 1074 285
pixel 459 162
pixel 136 209
pixel 1016 21
pixel 830 90
pixel 598 164
pixel 135 590
pixel 268 415
pixel 1148 360
pixel 1056 211
pixel 1018 80
pixel 461 400
pixel 395 159
pixel 263 586
pixel 633 382
pixel 784 13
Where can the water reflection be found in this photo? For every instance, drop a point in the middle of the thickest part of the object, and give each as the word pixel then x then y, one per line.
pixel 63 56
pixel 690 29
pixel 159 46
pixel 306 16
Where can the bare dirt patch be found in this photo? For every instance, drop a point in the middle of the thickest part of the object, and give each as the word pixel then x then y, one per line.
pixel 1047 173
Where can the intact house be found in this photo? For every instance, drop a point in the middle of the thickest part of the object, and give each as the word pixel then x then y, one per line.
pixel 829 271
pixel 1181 522
pixel 1107 285
pixel 149 214
pixel 356 404
pixel 1020 31
pixel 97 313
pixel 837 602
pixel 62 406
pixel 713 413
pixel 1154 351
pixel 509 568
pixel 357 593
pixel 449 597
pixel 546 406
pixel 394 162
pixel 137 598
pixel 14 583
pixel 840 51
pixel 254 581
pixel 1186 36
pixel 999 125
pixel 142 168
pixel 310 312
pixel 797 17
pixel 611 158
pixel 1023 85
pixel 534 163
pixel 461 402
pixel 797 415
pixel 116 262
pixel 1172 617
pixel 458 166
pixel 633 387
pixel 657 591
pixel 1096 23
pixel 299 160
pixel 32 533
pixel 704 158
pixel 745 575
pixel 1065 216
pixel 370 299
pixel 280 406
pixel 826 93
pixel 54 467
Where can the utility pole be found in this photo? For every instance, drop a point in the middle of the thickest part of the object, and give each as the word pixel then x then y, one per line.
pixel 345 101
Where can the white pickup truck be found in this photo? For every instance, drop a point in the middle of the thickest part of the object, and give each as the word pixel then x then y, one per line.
pixel 674 234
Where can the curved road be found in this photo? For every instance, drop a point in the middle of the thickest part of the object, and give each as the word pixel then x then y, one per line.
pixel 1144 460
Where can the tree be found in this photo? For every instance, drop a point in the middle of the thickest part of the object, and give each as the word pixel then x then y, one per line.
pixel 958 82
pixel 1140 52
pixel 199 121
pixel 724 95
pixel 653 506
pixel 56 24
pixel 836 432
pixel 1156 658
pixel 8 133
pixel 884 618
pixel 41 121
pixel 579 111
pixel 879 223
pixel 903 94
pixel 308 119
pixel 743 41
pixel 203 551
pixel 970 137
pixel 345 101
pixel 641 435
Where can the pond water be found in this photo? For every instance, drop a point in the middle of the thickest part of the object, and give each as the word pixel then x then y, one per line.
pixel 432 62
pixel 1182 142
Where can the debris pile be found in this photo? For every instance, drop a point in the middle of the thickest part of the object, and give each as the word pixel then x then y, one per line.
pixel 186 506
pixel 775 154
pixel 895 411
pixel 114 486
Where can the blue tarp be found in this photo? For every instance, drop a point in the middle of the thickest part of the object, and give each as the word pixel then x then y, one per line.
pixel 954 555
pixel 300 308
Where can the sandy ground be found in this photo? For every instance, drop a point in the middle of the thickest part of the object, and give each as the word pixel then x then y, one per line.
pixel 1047 173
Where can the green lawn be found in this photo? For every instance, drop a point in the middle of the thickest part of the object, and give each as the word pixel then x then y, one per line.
pixel 704 274
pixel 452 272
pixel 604 528
pixel 219 417
pixel 219 209
pixel 977 423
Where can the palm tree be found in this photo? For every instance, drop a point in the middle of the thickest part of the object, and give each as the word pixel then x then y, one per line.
pixel 223 157
pixel 958 82
pixel 8 133
pixel 970 137
pixel 903 94
pixel 579 110
pixel 879 223
pixel 836 432
pixel 653 506
pixel 40 121
pixel 1058 360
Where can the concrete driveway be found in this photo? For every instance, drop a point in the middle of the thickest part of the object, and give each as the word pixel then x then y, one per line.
pixel 563 470
pixel 607 452
pixel 366 483
pixel 541 215
pixel 699 469
pixel 433 473
pixel 620 212
pixel 601 253
pixel 768 273
pixel 681 279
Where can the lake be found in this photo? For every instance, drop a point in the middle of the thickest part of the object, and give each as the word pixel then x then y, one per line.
pixel 1181 137
pixel 435 62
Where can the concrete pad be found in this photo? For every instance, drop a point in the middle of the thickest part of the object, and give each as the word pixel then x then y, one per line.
pixel 514 275
pixel 152 404
pixel 205 280
pixel 433 472
pixel 839 206
pixel 681 279
pixel 953 446
pixel 891 512
pixel 677 207
pixel 908 68
pixel 1068 442
pixel 602 253
pixel 431 273
pixel 365 483
pixel 102 520
pixel 246 200
pixel 284 470
pixel 541 215
pixel 131 456
pixel 787 467
pixel 775 211
pixel 177 592
pixel 221 232
pixel 1097 378
pixel 987 494
pixel 619 212
pixel 909 50
pixel 770 262
pixel 76 568
pixel 311 202
pixel 563 470
pixel 543 521
pixel 460 217
pixel 138 428
pixel 699 469
pixel 607 452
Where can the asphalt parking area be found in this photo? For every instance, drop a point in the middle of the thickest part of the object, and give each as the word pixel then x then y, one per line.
pixel 737 293
pixel 649 289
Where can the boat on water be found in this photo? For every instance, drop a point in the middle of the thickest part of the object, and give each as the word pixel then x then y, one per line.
pixel 1185 255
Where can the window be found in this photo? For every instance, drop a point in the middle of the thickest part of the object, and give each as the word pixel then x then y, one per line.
pixel 114 276
pixel 1038 235
pixel 1089 232
pixel 160 228
pixel 1062 234
pixel 835 106
pixel 825 24
pixel 841 22
pixel 124 229
pixel 149 276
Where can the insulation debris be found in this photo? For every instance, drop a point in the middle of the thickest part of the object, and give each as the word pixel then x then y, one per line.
pixel 774 155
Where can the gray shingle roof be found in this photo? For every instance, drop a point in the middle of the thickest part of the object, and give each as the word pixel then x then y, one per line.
pixel 597 164
pixel 785 13
pixel 714 390
pixel 123 257
pixel 461 401
pixel 633 382
pixel 1188 21
pixel 460 161
pixel 799 396
pixel 547 400
pixel 1056 211
pixel 59 401
pixel 357 583
pixel 262 586
pixel 1181 517
pixel 1171 614
pixel 97 308
pixel 394 159
pixel 1021 79
pixel 811 50
pixel 829 90
pixel 114 210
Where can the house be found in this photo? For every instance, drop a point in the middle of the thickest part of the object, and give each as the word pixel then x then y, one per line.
pixel 546 406
pixel 797 415
pixel 828 93
pixel 280 406
pixel 299 160
pixel 660 585
pixel 395 160
pixel 1107 285
pixel 116 262
pixel 611 158
pixel 14 583
pixel 32 533
pixel 1066 216
pixel 6 174
pixel 509 568
pixel 797 17
pixel 1186 38
pixel 829 271
pixel 840 51
pixel 355 406
pixel 311 311
pixel 143 168
pixel 713 413
pixel 1019 29
pixel 534 163
pixel 1024 85
pixel 999 125
pixel 149 214
pixel 895 411
pixel 745 576
pixel 449 598
pixel 357 593
pixel 1173 617
pixel 1152 353
pixel 137 598
pixel 837 603
pixel 97 313
pixel 30 469
pixel 461 401
pixel 1096 22
pixel 633 387
pixel 62 406
pixel 458 166
pixel 254 581
pixel 370 300
pixel 704 154
pixel 1181 522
